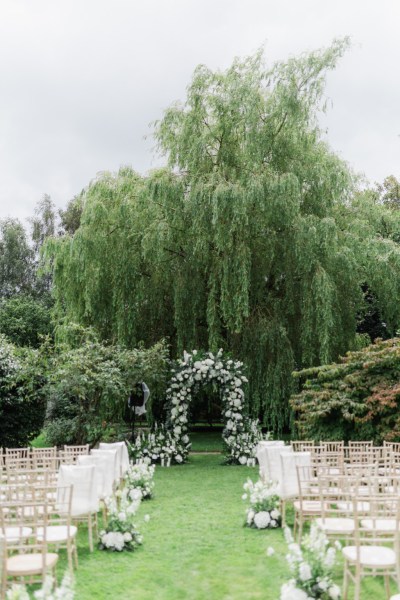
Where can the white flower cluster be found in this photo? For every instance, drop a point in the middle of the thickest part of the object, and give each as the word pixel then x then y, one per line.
pixel 161 445
pixel 243 445
pixel 121 533
pixel 64 592
pixel 240 435
pixel 140 476
pixel 311 566
pixel 263 511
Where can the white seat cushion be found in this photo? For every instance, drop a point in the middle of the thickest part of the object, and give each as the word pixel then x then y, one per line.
pixel 371 556
pixel 308 506
pixel 56 533
pixel 29 564
pixel 336 525
pixel 15 534
pixel 348 506
pixel 379 524
pixel 396 597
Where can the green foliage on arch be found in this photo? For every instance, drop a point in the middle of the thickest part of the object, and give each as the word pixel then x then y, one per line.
pixel 248 241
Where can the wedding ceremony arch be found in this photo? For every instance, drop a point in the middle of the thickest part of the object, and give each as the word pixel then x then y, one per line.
pixel 170 441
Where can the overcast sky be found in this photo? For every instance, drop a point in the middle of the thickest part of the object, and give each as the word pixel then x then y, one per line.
pixel 80 80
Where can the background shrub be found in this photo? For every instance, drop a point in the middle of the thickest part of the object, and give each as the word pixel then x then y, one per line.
pixel 22 394
pixel 358 398
pixel 89 386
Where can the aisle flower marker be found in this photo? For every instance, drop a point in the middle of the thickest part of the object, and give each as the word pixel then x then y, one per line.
pixel 311 566
pixel 47 592
pixel 121 532
pixel 263 512
pixel 140 477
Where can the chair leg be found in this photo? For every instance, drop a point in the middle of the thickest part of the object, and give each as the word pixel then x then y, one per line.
pixel 90 533
pixel 357 583
pixel 345 581
pixel 69 553
pixel 300 529
pixel 387 585
pixel 283 511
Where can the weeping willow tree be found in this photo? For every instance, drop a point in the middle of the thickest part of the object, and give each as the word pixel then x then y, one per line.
pixel 247 240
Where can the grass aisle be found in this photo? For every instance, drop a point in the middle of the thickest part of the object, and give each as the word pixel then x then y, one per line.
pixel 195 546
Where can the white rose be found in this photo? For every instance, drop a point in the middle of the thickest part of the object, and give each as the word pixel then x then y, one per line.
pixel 290 592
pixel 334 592
pixel 242 460
pixel 305 571
pixel 122 516
pixel 127 537
pixel 250 516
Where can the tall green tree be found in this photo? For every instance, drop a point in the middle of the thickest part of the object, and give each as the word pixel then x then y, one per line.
pixel 247 240
pixel 16 259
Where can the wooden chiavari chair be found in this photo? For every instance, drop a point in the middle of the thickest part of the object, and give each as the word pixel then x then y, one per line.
pixel 18 452
pixel 323 457
pixel 45 458
pixel 69 455
pixel 369 554
pixel 85 500
pixel 26 557
pixel 308 505
pixel 60 531
pixel 332 446
pixel 302 445
pixel 336 519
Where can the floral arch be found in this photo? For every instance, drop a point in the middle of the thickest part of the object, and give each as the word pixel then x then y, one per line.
pixel 170 441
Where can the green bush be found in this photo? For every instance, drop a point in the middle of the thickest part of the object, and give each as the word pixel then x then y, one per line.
pixel 24 319
pixel 89 385
pixel 358 398
pixel 22 394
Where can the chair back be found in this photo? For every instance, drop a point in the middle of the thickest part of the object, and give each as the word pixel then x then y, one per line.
pixel 123 454
pixel 289 486
pixel 302 445
pixel 45 458
pixel 104 464
pixel 69 454
pixel 85 498
pixel 116 465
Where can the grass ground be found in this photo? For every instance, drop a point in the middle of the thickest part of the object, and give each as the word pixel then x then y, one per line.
pixel 206 441
pixel 195 546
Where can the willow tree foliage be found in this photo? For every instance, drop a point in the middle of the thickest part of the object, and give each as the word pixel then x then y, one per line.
pixel 247 240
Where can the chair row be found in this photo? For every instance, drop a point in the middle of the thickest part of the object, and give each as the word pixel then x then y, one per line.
pixel 31 499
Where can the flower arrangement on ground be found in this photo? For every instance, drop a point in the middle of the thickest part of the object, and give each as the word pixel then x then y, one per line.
pixel 263 512
pixel 241 448
pixel 64 592
pixel 311 566
pixel 121 532
pixel 160 446
pixel 140 476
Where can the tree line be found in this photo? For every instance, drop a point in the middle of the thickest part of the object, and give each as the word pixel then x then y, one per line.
pixel 254 238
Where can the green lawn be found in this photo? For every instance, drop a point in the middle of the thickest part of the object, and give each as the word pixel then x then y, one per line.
pixel 195 546
pixel 206 441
